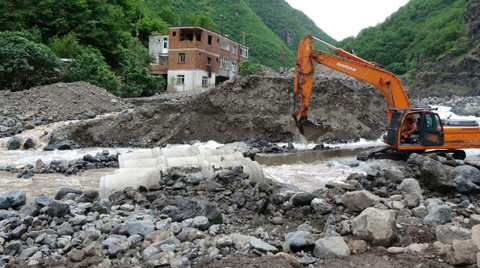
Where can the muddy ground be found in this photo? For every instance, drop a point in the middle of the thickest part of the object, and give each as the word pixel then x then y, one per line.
pixel 250 107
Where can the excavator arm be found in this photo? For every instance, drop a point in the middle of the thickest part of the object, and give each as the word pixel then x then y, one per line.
pixel 308 58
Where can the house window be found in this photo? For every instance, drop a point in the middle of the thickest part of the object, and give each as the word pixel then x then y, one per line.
pixel 204 81
pixel 174 33
pixel 234 50
pixel 244 52
pixel 224 63
pixel 199 37
pixel 165 42
pixel 181 79
pixel 209 61
pixel 181 57
pixel 209 39
pixel 234 66
pixel 225 44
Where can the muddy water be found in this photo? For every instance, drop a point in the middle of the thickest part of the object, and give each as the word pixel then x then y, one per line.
pixel 51 183
pixel 309 177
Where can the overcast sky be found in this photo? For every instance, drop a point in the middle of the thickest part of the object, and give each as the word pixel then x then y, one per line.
pixel 344 18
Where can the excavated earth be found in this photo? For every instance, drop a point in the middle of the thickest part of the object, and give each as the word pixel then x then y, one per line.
pixel 250 107
pixel 58 102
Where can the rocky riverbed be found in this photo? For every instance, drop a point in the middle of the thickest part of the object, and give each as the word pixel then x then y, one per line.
pixel 427 214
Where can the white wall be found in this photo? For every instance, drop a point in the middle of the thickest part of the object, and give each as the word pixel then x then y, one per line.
pixel 155 46
pixel 193 80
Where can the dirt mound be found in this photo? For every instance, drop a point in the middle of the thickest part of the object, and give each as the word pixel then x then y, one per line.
pixel 58 102
pixel 250 107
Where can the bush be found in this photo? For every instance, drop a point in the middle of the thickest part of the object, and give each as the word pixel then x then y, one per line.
pixel 66 46
pixel 250 68
pixel 24 63
pixel 90 66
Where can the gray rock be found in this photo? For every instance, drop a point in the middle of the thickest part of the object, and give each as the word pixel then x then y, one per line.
pixel 58 209
pixel 448 233
pixel 29 210
pixel 394 176
pixel 88 196
pixel 410 186
pixel 359 200
pixel 5 214
pixel 14 143
pixel 13 198
pixel 307 260
pixel 321 206
pixel 201 223
pixel 28 144
pixel 420 212
pixel 467 179
pixel 331 247
pixel 473 160
pixel 42 200
pixel 434 175
pixel 12 248
pixel 301 199
pixel 375 226
pixel 173 212
pixel 64 191
pixel 112 238
pixel 91 235
pixel 180 262
pixel 117 247
pixel 300 240
pixel 26 254
pixel 437 215
pixel 76 255
pixel 238 199
pixel 142 227
pixel 462 253
pixel 411 200
pixel 262 246
pixel 65 229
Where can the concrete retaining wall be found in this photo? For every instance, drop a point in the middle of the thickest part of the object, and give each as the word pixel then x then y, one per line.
pixel 143 167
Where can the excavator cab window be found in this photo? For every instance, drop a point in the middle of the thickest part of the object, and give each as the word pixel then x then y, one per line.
pixel 410 132
pixel 431 130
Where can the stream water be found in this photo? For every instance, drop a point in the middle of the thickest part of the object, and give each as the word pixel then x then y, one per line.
pixel 305 176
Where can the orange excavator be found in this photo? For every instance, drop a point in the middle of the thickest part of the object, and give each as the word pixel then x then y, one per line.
pixel 409 130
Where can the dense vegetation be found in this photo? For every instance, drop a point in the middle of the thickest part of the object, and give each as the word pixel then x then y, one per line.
pixel 414 36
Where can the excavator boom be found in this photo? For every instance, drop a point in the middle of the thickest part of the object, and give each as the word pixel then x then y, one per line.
pixel 308 58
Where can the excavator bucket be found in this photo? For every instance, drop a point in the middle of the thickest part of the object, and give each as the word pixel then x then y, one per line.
pixel 312 130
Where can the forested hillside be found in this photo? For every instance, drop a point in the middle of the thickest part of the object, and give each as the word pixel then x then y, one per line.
pixel 100 37
pixel 426 40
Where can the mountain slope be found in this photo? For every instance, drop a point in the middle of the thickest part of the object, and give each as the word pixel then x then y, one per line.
pixel 288 23
pixel 427 40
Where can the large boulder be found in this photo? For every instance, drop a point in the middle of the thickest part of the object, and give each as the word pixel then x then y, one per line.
pixel 58 209
pixel 331 247
pixel 14 143
pixel 437 215
pixel 375 226
pixel 462 253
pixel 301 199
pixel 467 179
pixel 410 186
pixel 449 232
pixel 359 200
pixel 434 175
pixel 13 198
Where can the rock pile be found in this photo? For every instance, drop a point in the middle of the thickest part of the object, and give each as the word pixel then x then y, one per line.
pixel 184 220
pixel 103 159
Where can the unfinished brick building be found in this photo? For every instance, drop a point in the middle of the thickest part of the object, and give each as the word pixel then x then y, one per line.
pixel 193 57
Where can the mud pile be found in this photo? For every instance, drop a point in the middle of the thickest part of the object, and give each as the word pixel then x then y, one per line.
pixel 250 107
pixel 57 102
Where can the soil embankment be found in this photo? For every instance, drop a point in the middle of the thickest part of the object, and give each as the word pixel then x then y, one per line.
pixel 249 107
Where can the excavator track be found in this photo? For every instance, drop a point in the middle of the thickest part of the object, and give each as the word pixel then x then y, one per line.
pixel 385 152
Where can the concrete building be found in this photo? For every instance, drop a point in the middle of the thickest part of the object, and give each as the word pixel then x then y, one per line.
pixel 195 58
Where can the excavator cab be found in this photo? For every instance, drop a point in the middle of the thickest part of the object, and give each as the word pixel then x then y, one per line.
pixel 410 127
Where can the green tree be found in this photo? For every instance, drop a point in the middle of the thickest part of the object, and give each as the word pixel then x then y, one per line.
pixel 24 63
pixel 137 80
pixel 90 66
pixel 66 46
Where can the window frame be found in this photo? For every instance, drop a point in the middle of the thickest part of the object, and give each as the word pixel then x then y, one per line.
pixel 204 81
pixel 181 79
pixel 180 58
